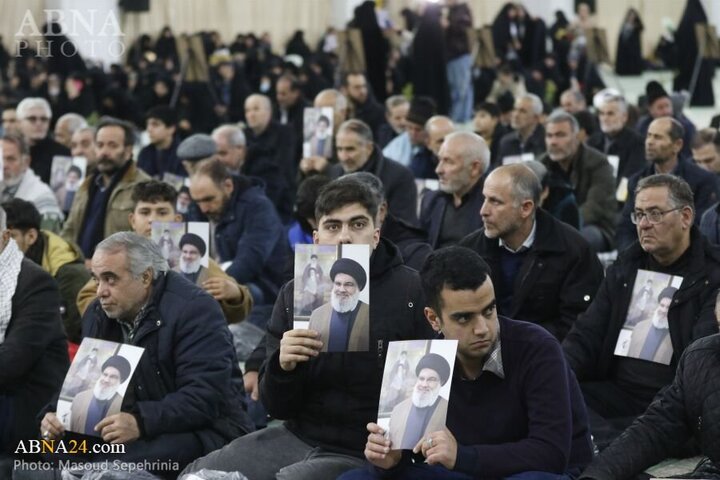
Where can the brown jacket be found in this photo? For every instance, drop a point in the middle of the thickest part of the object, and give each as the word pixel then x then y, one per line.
pixel 119 206
pixel 79 409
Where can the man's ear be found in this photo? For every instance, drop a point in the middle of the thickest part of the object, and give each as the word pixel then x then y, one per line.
pixel 131 220
pixel 178 217
pixel 433 319
pixel 32 236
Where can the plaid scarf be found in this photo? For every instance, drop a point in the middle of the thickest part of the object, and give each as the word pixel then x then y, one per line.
pixel 10 262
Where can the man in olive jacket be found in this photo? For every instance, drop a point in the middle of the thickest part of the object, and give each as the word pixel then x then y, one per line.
pixel 103 202
pixel 570 162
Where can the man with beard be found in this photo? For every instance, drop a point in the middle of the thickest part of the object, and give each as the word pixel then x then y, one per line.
pixel 102 203
pixel 451 213
pixel 344 322
pixel 425 411
pixel 91 406
pixel 616 139
pixel 155 201
pixel 651 337
pixel 247 230
pixel 663 151
pixel 569 162
pixel 192 250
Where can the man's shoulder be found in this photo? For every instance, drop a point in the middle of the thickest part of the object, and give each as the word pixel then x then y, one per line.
pixel 520 334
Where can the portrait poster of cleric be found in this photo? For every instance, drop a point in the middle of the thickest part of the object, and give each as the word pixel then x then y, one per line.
pixel 646 332
pixel 317 132
pixel 185 246
pixel 95 384
pixel 332 295
pixel 415 390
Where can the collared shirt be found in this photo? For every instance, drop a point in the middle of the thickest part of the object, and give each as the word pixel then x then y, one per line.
pixel 494 363
pixel 526 245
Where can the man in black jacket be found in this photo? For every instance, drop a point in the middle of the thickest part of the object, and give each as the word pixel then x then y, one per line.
pixel 689 408
pixel 327 399
pixel 33 350
pixel 453 211
pixel 543 270
pixel 357 152
pixel 270 154
pixel 364 106
pixel 619 388
pixel 623 146
pixel 663 144
pixel 34 115
pixel 527 141
pixel 185 398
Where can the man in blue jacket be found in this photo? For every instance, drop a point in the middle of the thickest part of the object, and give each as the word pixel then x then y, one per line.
pixel 185 398
pixel 247 230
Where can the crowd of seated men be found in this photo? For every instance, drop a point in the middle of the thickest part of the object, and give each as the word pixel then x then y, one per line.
pixel 484 225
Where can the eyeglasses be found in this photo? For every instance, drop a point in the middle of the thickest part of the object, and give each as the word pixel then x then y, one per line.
pixel 653 216
pixel 34 119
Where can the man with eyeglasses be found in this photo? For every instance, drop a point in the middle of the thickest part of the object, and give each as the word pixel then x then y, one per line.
pixel 663 147
pixel 619 386
pixel 34 114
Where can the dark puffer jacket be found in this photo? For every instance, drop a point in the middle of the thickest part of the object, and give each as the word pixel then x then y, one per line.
pixel 689 408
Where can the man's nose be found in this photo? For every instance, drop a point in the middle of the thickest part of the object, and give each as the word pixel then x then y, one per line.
pixel 345 235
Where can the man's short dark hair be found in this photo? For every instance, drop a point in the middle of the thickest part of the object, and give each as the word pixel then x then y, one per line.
pixel 154 191
pixel 586 121
pixel 679 192
pixel 165 114
pixel 490 108
pixel 127 128
pixel 349 73
pixel 677 131
pixel 307 195
pixel 368 179
pixel 336 195
pixel 456 268
pixel 215 170
pixel 292 80
pixel 22 215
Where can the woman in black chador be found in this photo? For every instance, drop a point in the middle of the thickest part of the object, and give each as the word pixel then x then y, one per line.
pixel 629 59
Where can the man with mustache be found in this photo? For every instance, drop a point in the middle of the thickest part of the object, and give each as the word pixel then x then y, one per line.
pixel 344 322
pixel 103 202
pixel 424 412
pixel 618 388
pixel 91 406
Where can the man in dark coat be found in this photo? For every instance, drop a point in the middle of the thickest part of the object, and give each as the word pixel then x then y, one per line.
pixel 662 149
pixel 160 156
pixel 357 153
pixel 543 270
pixel 185 398
pixel 687 409
pixel 33 350
pixel 270 154
pixel 527 141
pixel 327 399
pixel 619 388
pixel 364 106
pixel 616 140
pixel 590 174
pixel 453 211
pixel 290 109
pixel 248 231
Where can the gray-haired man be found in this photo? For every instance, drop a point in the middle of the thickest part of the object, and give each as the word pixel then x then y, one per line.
pixel 185 398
